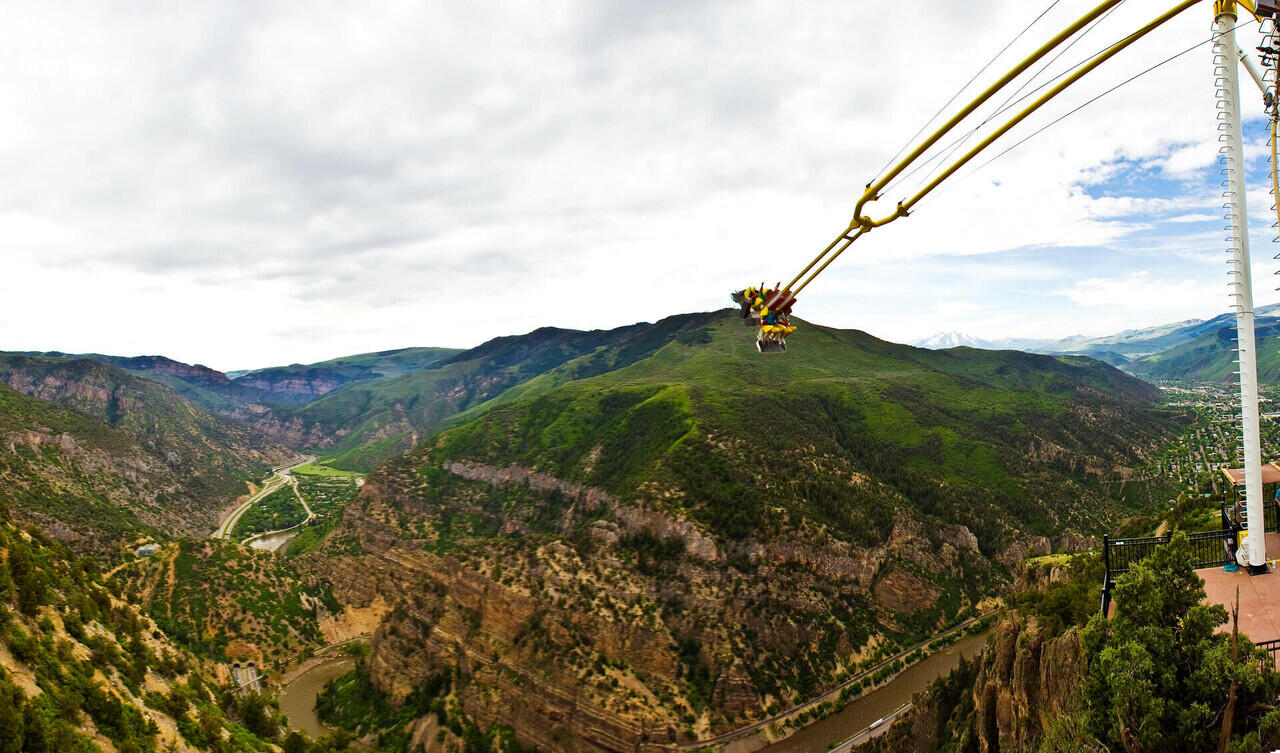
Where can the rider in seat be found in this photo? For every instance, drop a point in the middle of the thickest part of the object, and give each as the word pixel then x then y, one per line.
pixel 746 299
pixel 774 322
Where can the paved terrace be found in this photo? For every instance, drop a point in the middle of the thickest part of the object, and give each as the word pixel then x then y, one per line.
pixel 1259 595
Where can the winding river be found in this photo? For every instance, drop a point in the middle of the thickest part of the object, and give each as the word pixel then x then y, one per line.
pixel 858 714
pixel 273 541
pixel 298 698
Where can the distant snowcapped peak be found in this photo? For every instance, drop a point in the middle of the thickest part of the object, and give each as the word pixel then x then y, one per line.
pixel 950 339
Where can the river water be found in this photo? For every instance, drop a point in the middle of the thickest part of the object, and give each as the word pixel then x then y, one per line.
pixel 298 699
pixel 274 541
pixel 860 713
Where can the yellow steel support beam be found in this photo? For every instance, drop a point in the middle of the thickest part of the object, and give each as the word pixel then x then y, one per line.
pixel 873 191
pixel 1029 109
pixel 861 224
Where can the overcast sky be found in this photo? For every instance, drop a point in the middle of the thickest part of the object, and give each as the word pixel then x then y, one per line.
pixel 252 184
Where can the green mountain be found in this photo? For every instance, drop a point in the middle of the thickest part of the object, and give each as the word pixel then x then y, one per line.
pixel 1136 343
pixel 1117 349
pixel 670 536
pixel 299 383
pixel 247 393
pixel 96 455
pixel 210 389
pixel 364 423
pixel 1211 357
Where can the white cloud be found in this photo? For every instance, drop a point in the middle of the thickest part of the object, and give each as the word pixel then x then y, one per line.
pixel 1195 217
pixel 294 181
pixel 1186 162
pixel 1137 291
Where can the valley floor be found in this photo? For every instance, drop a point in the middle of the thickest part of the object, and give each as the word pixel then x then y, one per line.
pixel 279 477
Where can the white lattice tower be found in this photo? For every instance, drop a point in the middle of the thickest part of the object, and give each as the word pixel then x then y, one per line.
pixel 1270 50
pixel 1239 275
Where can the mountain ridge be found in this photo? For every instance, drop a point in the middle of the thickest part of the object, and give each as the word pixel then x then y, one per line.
pixel 237 396
pixel 1119 347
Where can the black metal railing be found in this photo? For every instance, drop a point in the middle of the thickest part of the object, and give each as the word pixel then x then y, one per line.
pixel 1211 548
pixel 1208 549
pixel 1270 515
pixel 1272 648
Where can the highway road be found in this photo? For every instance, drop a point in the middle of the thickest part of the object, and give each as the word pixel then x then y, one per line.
pixel 875 730
pixel 831 694
pixel 280 476
pixel 256 539
pixel 310 515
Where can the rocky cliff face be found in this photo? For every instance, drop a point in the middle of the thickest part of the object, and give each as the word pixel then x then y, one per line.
pixel 290 431
pixel 293 387
pixel 169 367
pixel 1025 681
pixel 1004 702
pixel 589 623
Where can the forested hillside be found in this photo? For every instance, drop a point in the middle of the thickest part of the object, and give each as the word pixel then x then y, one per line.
pixel 82 671
pixel 1211 357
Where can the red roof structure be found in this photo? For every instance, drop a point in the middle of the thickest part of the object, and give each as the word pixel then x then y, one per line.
pixel 1270 474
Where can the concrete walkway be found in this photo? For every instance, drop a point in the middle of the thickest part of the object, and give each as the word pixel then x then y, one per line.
pixel 1259 595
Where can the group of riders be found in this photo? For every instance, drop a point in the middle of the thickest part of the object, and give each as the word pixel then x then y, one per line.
pixel 770 311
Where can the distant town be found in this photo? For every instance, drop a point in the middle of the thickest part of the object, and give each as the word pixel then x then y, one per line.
pixel 1195 461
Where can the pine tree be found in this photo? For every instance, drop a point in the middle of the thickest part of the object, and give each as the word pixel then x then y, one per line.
pixel 11 707
pixel 295 743
pixel 1159 676
pixel 30 581
pixel 6 582
pixel 35 731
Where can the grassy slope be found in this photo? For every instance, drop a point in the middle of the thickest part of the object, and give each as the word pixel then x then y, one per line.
pixel 922 420
pixel 1210 358
pixel 386 364
pixel 380 419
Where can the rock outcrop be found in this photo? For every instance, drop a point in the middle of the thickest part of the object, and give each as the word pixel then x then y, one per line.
pixel 618 639
pixel 1023 681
